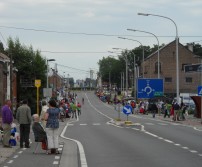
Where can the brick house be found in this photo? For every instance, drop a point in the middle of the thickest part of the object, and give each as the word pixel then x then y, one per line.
pixel 188 82
pixel 5 80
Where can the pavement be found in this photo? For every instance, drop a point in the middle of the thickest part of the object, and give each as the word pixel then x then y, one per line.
pixel 5 153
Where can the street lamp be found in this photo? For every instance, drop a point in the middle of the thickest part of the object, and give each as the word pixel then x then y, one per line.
pixel 126 59
pixel 48 70
pixel 135 63
pixel 158 46
pixel 177 55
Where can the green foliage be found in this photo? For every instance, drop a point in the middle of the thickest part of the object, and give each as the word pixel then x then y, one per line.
pixel 30 65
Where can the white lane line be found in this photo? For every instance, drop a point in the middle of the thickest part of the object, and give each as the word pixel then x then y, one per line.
pixel 177 144
pixel 149 123
pixel 162 124
pixel 57 157
pixel 186 148
pixel 16 156
pixel 55 162
pixel 200 155
pixel 136 129
pixel 61 146
pixel 169 141
pixel 96 124
pixel 20 152
pixel 160 138
pixel 10 162
pixel 193 151
pixel 195 128
pixel 59 149
pixel 80 147
pixel 151 134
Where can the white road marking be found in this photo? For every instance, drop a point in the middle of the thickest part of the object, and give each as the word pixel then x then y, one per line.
pixel 80 147
pixel 135 129
pixel 16 156
pixel 186 148
pixel 177 144
pixel 149 123
pixel 57 157
pixel 10 162
pixel 55 162
pixel 193 151
pixel 61 145
pixel 160 138
pixel 162 124
pixel 20 152
pixel 96 124
pixel 169 141
pixel 151 134
pixel 195 128
pixel 200 155
pixel 59 149
pixel 83 124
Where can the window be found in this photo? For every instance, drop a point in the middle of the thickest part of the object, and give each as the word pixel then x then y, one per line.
pixel 188 79
pixel 168 79
pixel 156 67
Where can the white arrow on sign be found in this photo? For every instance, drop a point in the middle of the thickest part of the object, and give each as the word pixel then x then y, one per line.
pixel 128 111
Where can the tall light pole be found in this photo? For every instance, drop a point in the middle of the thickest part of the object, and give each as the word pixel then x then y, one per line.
pixel 126 59
pixel 48 70
pixel 135 75
pixel 158 46
pixel 177 54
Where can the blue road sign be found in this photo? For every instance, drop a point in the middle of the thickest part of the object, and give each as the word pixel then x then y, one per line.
pixel 148 88
pixel 127 109
pixel 200 90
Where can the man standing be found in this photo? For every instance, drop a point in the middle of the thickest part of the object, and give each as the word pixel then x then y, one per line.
pixel 24 118
pixel 7 119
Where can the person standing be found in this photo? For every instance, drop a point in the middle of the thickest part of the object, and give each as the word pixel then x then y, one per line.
pixel 52 126
pixel 24 118
pixel 7 119
pixel 43 112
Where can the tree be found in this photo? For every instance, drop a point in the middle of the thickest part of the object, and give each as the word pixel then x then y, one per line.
pixel 31 66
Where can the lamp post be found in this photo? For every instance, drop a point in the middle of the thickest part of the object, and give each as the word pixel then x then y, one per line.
pixel 177 54
pixel 126 59
pixel 135 75
pixel 158 46
pixel 47 71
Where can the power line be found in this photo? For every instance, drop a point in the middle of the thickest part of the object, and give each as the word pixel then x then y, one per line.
pixel 68 52
pixel 83 33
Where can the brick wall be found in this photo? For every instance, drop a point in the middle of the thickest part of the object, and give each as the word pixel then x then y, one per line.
pixel 168 69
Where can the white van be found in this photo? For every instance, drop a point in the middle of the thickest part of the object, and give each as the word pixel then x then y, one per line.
pixel 187 100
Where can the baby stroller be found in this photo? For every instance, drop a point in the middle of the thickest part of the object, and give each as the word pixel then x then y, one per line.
pixel 40 136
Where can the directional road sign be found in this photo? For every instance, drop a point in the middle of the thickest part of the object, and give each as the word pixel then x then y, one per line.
pixel 200 90
pixel 127 109
pixel 193 68
pixel 148 88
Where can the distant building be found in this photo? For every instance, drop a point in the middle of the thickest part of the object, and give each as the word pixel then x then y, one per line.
pixel 188 82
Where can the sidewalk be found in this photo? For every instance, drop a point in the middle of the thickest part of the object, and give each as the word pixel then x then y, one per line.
pixel 190 120
pixel 6 153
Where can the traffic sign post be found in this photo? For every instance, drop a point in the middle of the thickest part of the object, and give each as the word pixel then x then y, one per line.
pixel 37 85
pixel 148 88
pixel 127 110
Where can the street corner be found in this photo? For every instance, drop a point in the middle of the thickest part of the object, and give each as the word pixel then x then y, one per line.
pixel 117 122
pixel 6 153
pixel 198 128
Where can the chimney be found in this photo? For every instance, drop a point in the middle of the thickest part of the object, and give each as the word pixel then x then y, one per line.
pixel 190 46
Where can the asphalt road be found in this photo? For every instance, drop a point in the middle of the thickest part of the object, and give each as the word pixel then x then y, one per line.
pixel 159 144
pixel 94 140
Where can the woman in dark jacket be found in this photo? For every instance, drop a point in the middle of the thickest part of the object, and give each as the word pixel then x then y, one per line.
pixel 39 132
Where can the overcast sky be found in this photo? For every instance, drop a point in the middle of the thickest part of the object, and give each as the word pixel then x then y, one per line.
pixel 80 32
